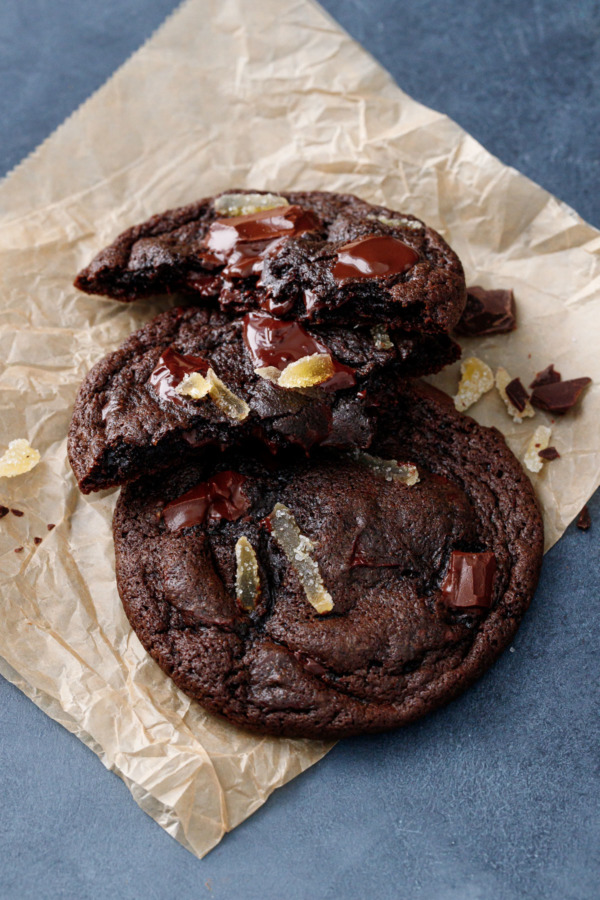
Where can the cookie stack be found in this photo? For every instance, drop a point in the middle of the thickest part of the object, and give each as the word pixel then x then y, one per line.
pixel 310 541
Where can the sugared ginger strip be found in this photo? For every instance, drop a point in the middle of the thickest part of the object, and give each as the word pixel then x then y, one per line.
pixel 297 548
pixel 18 459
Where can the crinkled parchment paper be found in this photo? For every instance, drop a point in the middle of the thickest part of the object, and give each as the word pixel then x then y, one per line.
pixel 270 95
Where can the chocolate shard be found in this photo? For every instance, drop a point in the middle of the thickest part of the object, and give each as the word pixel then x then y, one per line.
pixel 469 581
pixel 487 312
pixel 4 511
pixel 549 453
pixel 517 394
pixel 584 520
pixel 549 375
pixel 559 396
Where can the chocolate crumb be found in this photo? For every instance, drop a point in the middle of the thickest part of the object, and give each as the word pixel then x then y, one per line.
pixel 17 512
pixel 487 312
pixel 4 511
pixel 37 540
pixel 549 375
pixel 549 453
pixel 18 549
pixel 559 396
pixel 584 520
pixel 50 526
pixel 517 394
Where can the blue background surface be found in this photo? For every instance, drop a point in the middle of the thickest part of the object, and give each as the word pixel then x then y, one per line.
pixel 495 797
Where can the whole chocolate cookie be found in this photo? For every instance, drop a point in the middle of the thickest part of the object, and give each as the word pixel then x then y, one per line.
pixel 193 377
pixel 310 255
pixel 341 594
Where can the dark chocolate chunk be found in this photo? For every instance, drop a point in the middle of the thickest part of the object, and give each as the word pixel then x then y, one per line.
pixel 171 369
pixel 374 256
pixel 273 342
pixel 487 312
pixel 4 511
pixel 584 520
pixel 469 580
pixel 559 396
pixel 19 549
pixel 243 242
pixel 221 497
pixel 517 394
pixel 50 526
pixel 17 512
pixel 549 375
pixel 37 541
pixel 549 453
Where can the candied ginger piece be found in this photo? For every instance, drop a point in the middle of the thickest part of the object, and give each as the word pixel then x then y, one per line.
pixel 198 386
pixel 270 373
pixel 194 385
pixel 247 579
pixel 229 403
pixel 399 222
pixel 539 441
pixel 230 205
pixel 297 548
pixel 307 371
pixel 503 379
pixel 381 338
pixel 476 379
pixel 390 469
pixel 18 459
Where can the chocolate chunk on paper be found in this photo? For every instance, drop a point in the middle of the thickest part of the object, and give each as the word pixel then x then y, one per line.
pixel 559 396
pixel 487 312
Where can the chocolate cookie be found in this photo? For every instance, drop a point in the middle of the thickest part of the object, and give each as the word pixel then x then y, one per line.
pixel 341 594
pixel 192 377
pixel 309 255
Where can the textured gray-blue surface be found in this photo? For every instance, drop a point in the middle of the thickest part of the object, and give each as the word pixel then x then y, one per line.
pixel 495 797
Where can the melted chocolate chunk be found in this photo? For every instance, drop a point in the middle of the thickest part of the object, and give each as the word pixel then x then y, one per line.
pixel 374 256
pixel 242 242
pixel 487 312
pixel 221 497
pixel 584 520
pixel 469 580
pixel 559 396
pixel 549 375
pixel 273 342
pixel 549 453
pixel 517 394
pixel 4 511
pixel 170 371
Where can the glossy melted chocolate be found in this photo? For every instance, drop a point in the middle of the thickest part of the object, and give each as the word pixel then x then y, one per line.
pixel 221 497
pixel 241 243
pixel 469 580
pixel 273 342
pixel 374 256
pixel 170 371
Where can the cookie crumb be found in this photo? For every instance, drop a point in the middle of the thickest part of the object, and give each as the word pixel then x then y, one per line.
pixel 37 541
pixel 18 549
pixel 4 511
pixel 50 526
pixel 17 512
pixel 549 453
pixel 584 520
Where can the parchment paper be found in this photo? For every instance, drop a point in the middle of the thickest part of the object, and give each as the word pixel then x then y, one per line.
pixel 230 93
